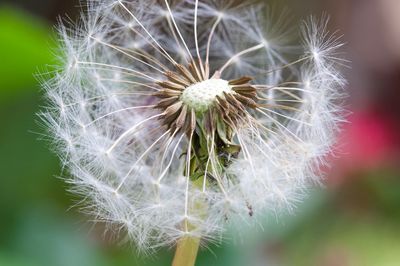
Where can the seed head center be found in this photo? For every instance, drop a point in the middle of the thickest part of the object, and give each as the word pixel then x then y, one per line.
pixel 202 95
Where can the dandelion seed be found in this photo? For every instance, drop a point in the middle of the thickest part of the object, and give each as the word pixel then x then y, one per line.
pixel 178 117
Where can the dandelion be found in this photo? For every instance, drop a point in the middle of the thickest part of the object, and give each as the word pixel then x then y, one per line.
pixel 177 118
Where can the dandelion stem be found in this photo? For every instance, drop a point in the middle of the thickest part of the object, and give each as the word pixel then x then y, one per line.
pixel 186 251
pixel 188 246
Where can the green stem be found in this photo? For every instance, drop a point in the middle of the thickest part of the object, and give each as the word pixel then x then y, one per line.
pixel 188 246
pixel 186 251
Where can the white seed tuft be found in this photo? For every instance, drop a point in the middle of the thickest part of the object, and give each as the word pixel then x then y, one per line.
pixel 131 166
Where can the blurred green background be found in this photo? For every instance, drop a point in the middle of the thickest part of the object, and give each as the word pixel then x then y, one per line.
pixel 353 221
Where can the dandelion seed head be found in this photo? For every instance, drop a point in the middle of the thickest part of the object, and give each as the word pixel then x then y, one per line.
pixel 176 118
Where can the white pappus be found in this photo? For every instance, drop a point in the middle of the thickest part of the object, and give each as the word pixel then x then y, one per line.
pixel 177 117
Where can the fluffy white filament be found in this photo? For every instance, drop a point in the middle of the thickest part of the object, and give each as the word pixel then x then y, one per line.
pixel 130 169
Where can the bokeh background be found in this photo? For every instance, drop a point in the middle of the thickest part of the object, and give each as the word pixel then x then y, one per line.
pixel 354 220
